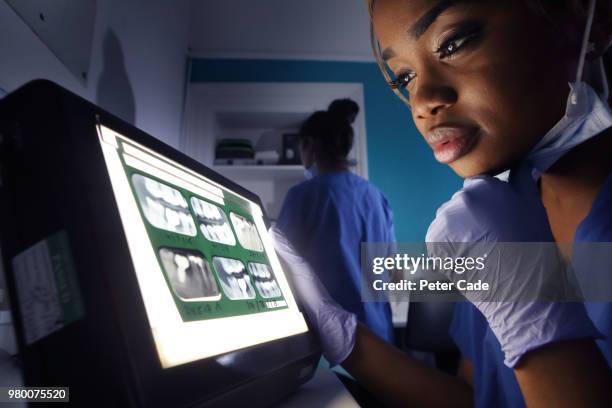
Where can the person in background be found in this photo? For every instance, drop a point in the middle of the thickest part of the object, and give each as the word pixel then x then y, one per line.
pixel 330 214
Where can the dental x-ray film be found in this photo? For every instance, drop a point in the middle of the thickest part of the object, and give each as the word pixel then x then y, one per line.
pixel 235 280
pixel 163 206
pixel 189 274
pixel 213 222
pixel 264 280
pixel 247 233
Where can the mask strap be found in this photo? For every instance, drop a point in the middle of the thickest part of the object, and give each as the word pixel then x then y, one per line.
pixel 585 40
pixel 605 93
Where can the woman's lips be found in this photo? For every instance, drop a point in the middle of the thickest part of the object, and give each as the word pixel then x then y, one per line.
pixel 451 142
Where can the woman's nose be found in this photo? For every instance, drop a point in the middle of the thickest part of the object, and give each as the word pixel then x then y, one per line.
pixel 432 96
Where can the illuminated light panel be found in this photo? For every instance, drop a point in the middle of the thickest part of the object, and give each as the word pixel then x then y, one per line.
pixel 179 342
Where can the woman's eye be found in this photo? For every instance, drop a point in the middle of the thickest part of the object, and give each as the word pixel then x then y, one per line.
pixel 403 79
pixel 458 41
pixel 452 46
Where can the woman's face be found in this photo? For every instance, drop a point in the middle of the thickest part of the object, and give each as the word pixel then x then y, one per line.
pixel 487 79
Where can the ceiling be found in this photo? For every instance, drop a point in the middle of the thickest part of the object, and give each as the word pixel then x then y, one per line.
pixel 281 29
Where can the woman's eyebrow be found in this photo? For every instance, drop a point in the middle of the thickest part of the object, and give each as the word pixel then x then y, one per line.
pixel 388 53
pixel 426 20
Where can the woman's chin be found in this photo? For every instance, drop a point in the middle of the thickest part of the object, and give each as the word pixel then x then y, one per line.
pixel 474 164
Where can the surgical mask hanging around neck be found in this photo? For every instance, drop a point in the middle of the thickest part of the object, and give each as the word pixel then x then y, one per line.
pixel 587 114
pixel 311 172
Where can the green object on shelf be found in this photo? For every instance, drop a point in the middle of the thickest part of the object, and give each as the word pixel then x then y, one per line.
pixel 234 149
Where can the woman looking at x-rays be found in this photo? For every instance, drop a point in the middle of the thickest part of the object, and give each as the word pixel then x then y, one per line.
pixel 487 86
pixel 328 216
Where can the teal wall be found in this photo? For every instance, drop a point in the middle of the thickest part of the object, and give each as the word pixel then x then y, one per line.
pixel 399 162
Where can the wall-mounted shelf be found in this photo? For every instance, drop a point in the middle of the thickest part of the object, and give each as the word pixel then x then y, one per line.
pixel 261 172
pixel 262 113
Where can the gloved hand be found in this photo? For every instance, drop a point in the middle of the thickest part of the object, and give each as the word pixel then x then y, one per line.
pixel 506 223
pixel 334 326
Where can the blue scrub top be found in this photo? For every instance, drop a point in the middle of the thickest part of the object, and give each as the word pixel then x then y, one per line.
pixel 495 385
pixel 327 218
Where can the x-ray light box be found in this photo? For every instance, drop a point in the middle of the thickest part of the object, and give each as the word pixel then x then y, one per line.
pixel 137 276
pixel 202 256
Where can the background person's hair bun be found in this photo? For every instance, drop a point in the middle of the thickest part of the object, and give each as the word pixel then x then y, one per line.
pixel 344 108
pixel 331 130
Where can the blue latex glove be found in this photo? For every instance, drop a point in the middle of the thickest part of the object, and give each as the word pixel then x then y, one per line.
pixel 335 327
pixel 482 218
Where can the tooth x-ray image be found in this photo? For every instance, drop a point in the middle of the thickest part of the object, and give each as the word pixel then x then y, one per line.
pixel 189 273
pixel 264 281
pixel 213 222
pixel 164 206
pixel 247 233
pixel 235 280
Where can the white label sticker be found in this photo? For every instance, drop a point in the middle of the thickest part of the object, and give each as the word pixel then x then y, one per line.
pixel 41 310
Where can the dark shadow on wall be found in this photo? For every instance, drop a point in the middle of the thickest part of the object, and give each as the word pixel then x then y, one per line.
pixel 114 91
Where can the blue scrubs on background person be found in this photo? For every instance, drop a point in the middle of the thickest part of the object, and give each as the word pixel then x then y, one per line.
pixel 495 384
pixel 327 217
